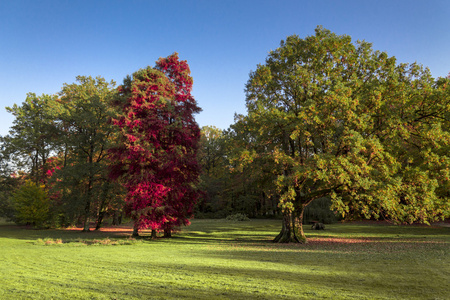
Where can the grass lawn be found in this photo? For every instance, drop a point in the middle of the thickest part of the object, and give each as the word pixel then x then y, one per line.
pixel 217 259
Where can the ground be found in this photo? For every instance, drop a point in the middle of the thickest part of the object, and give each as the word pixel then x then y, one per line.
pixel 218 259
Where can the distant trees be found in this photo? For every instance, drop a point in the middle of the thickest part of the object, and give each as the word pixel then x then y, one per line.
pixel 336 119
pixel 60 143
pixel 228 185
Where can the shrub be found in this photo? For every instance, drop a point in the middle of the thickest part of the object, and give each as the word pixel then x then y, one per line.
pixel 31 204
pixel 238 217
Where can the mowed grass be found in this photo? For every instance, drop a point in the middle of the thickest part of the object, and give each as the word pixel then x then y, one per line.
pixel 218 259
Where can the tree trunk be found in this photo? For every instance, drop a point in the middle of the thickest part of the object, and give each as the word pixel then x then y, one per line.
pixel 154 234
pixel 101 215
pixel 102 210
pixel 168 233
pixel 135 229
pixel 298 222
pixel 87 208
pixel 115 220
pixel 288 232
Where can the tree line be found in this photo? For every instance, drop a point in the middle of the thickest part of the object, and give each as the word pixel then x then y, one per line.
pixel 329 123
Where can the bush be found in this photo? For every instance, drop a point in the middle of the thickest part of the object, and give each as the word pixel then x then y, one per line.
pixel 238 217
pixel 31 204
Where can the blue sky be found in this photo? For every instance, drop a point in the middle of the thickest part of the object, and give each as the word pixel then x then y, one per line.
pixel 44 44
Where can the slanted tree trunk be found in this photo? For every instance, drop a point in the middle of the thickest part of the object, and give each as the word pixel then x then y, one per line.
pixel 101 215
pixel 103 204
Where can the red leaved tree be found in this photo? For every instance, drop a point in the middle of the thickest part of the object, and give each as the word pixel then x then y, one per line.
pixel 156 158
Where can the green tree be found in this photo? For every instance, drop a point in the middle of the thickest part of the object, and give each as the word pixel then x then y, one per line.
pixel 336 118
pixel 30 140
pixel 83 113
pixel 211 152
pixel 31 204
pixel 213 162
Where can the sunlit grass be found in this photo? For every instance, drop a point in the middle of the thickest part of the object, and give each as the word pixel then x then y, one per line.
pixel 216 259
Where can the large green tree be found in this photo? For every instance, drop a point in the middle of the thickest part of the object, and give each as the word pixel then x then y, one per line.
pixel 336 118
pixel 85 133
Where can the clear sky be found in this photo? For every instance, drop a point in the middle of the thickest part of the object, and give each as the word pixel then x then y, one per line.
pixel 44 44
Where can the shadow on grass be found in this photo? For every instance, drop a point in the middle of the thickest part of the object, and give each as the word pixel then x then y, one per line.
pixel 28 233
pixel 387 231
pixel 255 232
pixel 299 280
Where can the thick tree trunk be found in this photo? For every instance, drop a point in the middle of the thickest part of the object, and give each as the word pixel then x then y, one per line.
pixel 288 232
pixel 154 234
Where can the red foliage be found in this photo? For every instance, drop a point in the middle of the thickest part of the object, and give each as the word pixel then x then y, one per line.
pixel 157 157
pixel 49 178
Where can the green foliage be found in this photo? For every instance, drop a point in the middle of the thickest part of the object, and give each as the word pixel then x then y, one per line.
pixel 7 185
pixel 85 133
pixel 229 186
pixel 31 204
pixel 62 141
pixel 237 217
pixel 30 142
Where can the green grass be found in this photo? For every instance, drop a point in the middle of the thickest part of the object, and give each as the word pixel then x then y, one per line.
pixel 217 259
